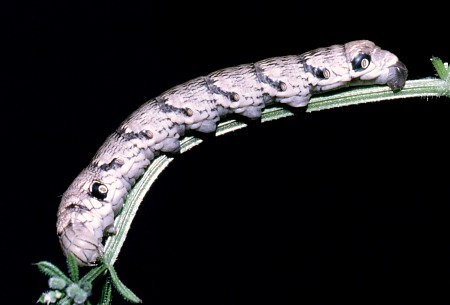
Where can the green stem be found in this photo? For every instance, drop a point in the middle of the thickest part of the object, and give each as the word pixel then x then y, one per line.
pixel 431 87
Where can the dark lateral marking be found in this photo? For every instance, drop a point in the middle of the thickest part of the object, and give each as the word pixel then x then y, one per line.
pixel 167 108
pixel 279 85
pixel 232 96
pixel 319 72
pixel 127 136
pixel 114 164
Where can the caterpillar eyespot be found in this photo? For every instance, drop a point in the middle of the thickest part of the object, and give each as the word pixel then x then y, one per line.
pixel 235 97
pixel 361 62
pixel 99 190
pixel 282 86
pixel 322 73
pixel 89 205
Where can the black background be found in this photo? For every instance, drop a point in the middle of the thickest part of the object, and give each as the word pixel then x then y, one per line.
pixel 346 205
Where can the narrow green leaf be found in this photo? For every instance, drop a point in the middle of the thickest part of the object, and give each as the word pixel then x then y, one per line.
pixel 358 95
pixel 125 218
pixel 73 267
pixel 440 68
pixel 94 273
pixel 121 288
pixel 354 96
pixel 51 270
pixel 106 297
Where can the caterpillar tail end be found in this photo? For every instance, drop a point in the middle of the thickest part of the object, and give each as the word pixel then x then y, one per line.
pixel 398 74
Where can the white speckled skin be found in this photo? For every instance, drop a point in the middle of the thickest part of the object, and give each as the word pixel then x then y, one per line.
pixel 88 207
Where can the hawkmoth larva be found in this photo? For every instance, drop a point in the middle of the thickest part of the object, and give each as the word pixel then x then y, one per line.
pixel 88 207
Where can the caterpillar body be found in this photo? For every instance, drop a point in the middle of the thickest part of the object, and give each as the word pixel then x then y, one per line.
pixel 89 205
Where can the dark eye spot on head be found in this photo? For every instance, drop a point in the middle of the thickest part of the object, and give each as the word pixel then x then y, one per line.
pixel 99 190
pixel 361 62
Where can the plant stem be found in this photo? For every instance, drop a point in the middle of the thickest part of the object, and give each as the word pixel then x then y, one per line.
pixel 430 87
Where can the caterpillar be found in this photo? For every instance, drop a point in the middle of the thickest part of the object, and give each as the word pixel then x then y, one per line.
pixel 88 207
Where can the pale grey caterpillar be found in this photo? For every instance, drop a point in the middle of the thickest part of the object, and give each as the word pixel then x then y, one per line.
pixel 88 207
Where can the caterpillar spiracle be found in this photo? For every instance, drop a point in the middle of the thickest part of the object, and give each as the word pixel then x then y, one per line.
pixel 90 204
